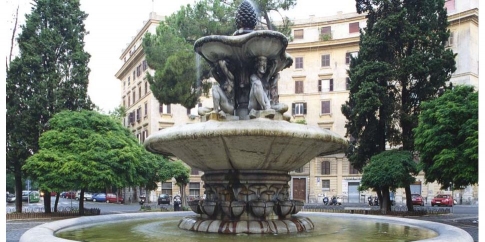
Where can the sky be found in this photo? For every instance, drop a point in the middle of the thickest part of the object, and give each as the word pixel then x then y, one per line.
pixel 112 25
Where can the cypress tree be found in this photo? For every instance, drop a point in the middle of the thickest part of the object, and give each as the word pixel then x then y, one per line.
pixel 49 75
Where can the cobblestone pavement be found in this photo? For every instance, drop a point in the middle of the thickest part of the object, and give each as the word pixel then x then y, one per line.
pixel 467 222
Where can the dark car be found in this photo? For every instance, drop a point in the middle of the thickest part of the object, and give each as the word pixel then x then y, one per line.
pixel 108 198
pixel 69 195
pixel 442 199
pixel 417 199
pixel 163 199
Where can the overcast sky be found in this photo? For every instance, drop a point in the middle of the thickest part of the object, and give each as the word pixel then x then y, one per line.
pixel 112 24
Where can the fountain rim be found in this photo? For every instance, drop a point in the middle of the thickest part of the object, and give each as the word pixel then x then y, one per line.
pixel 46 232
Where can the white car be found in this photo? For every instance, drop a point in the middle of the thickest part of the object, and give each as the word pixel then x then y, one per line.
pixel 87 196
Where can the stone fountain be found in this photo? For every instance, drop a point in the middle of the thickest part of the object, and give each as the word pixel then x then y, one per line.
pixel 245 144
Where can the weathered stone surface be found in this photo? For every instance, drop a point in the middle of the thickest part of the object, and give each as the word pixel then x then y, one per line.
pixel 245 144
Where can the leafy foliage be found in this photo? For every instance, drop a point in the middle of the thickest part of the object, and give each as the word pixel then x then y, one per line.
pixel 447 138
pixel 49 75
pixel 390 169
pixel 88 150
pixel 402 61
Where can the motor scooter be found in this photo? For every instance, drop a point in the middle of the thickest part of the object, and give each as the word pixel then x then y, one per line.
pixel 376 201
pixel 142 200
pixel 325 200
pixel 369 199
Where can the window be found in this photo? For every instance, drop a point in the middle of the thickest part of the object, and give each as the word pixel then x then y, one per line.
pixel 134 72
pixel 352 170
pixel 325 60
pixel 144 135
pixel 144 63
pixel 131 117
pixel 167 188
pixel 326 33
pixel 194 190
pixel 194 171
pixel 354 27
pixel 298 33
pixel 138 70
pixel 134 95
pixel 347 83
pixel 146 109
pixel 325 167
pixel 138 114
pixel 299 63
pixel 325 107
pixel 449 42
pixel 299 170
pixel 325 185
pixel 325 85
pixel 124 102
pixel 124 85
pixel 298 86
pixel 188 111
pixel 347 56
pixel 298 108
pixel 146 88
pixel 163 107
pixel 139 91
pixel 129 100
pixel 128 81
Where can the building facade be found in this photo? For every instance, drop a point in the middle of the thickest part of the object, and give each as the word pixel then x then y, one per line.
pixel 314 88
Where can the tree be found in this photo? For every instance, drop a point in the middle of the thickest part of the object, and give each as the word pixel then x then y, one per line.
pixel 447 138
pixel 88 151
pixel 180 172
pixel 49 75
pixel 389 170
pixel 402 61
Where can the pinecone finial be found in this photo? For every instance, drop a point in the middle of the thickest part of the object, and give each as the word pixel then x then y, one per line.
pixel 246 18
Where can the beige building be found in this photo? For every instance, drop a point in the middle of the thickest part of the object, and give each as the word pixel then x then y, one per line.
pixel 315 88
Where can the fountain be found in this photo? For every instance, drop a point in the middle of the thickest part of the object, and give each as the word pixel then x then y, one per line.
pixel 246 148
pixel 245 145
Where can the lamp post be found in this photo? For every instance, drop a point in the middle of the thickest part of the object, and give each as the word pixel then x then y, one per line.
pixel 452 198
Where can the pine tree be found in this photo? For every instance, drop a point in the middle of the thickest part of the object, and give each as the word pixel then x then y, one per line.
pixel 402 62
pixel 49 75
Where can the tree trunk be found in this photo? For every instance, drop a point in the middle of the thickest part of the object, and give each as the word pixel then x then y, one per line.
pixel 385 201
pixel 47 201
pixel 18 188
pixel 379 197
pixel 81 202
pixel 409 199
pixel 56 202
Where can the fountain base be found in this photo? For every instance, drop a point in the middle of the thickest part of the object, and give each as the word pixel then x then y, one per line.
pixel 273 226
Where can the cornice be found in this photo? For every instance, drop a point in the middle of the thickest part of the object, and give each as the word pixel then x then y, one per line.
pixel 130 63
pixel 470 15
pixel 335 19
pixel 140 34
pixel 352 41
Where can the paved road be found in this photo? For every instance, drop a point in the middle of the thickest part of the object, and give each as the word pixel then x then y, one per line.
pixel 463 216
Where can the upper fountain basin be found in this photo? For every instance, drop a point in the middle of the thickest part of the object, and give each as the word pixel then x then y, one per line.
pixel 245 145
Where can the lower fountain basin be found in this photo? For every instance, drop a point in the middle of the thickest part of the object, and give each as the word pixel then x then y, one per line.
pixel 162 226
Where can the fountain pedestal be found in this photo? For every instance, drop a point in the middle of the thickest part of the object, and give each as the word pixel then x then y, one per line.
pixel 247 201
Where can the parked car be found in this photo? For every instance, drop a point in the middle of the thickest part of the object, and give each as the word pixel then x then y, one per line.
pixel 69 195
pixel 87 196
pixel 11 198
pixel 100 197
pixel 112 198
pixel 108 198
pixel 30 196
pixel 442 199
pixel 163 199
pixel 53 194
pixel 417 199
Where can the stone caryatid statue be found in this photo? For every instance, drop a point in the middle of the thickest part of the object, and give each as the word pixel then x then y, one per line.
pixel 223 94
